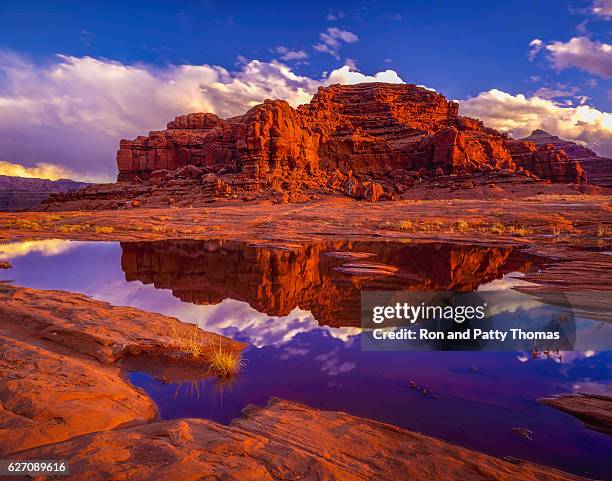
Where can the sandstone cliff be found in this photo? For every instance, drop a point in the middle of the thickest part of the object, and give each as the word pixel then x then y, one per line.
pixel 362 140
pixel 598 169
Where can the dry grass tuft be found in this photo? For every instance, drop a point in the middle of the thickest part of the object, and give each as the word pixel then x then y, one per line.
pixel 67 228
pixel 507 228
pixel 104 229
pixel 26 224
pixel 192 343
pixel 225 362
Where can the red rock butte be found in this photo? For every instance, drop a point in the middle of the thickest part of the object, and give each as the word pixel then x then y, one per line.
pixel 389 133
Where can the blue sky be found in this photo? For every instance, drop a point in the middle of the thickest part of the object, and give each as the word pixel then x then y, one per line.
pixel 553 50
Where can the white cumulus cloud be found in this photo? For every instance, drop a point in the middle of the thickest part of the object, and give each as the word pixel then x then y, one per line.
pixel 288 54
pixel 520 114
pixel 578 52
pixel 346 75
pixel 535 47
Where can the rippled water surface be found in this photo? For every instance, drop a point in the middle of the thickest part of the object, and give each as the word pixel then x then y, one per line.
pixel 299 313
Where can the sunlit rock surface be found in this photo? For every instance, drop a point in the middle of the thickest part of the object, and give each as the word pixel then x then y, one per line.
pixel 371 128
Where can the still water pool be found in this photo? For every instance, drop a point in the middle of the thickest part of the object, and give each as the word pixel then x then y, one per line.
pixel 299 314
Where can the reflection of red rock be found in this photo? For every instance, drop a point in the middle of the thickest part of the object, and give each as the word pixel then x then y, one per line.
pixel 276 281
pixel 367 129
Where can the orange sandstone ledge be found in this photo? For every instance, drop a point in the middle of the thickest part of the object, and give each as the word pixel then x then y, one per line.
pixel 594 409
pixel 59 364
pixel 279 442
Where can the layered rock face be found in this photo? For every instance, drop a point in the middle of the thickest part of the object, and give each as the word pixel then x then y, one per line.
pixel 388 134
pixel 268 140
pixel 325 278
pixel 598 169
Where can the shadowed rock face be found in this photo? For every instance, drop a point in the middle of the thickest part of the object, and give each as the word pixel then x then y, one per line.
pixel 277 279
pixel 598 169
pixel 371 129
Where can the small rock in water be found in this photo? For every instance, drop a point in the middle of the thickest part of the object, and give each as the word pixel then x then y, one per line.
pixel 524 433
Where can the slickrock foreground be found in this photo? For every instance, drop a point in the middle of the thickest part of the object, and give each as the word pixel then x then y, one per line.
pixel 594 409
pixel 280 442
pixel 58 364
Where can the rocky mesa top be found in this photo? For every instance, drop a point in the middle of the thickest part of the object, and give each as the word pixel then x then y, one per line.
pixel 370 128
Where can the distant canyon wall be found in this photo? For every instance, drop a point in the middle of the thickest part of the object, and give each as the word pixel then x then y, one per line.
pixel 18 193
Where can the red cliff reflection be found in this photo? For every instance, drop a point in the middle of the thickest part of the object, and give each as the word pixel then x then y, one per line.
pixel 276 279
